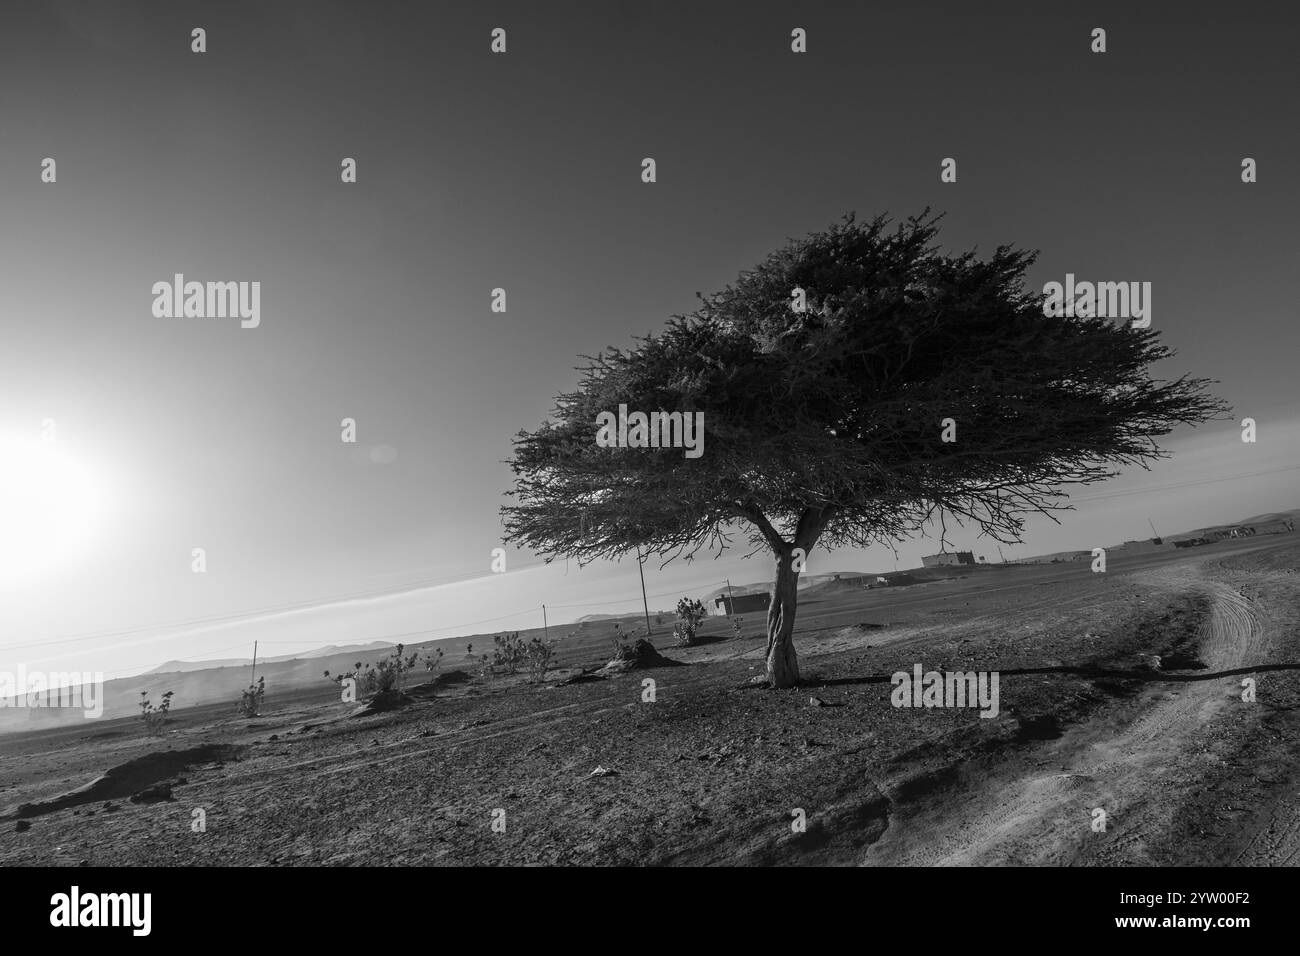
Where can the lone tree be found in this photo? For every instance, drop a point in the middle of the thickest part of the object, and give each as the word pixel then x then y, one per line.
pixel 911 388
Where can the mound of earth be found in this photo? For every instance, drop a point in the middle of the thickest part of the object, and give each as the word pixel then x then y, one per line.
pixel 640 655
pixel 382 703
pixel 140 776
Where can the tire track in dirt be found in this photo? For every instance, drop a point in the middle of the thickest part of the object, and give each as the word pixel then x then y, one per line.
pixel 1155 749
pixel 1275 840
pixel 1277 844
pixel 1045 817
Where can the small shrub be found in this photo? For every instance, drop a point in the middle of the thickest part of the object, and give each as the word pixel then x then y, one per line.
pixel 690 612
pixel 482 663
pixel 736 623
pixel 509 652
pixel 390 671
pixel 250 705
pixel 154 717
pixel 621 648
pixel 539 658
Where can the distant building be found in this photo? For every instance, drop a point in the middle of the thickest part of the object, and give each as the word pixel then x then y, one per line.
pixel 947 558
pixel 744 603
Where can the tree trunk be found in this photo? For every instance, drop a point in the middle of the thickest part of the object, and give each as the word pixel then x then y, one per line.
pixel 782 665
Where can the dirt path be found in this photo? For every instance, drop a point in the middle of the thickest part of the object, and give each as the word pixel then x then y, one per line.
pixel 1044 814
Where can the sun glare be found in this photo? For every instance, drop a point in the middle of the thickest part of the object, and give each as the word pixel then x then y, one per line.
pixel 48 507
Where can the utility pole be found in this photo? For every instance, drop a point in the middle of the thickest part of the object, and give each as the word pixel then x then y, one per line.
pixel 640 566
pixel 545 627
pixel 731 598
pixel 1154 532
pixel 253 680
pixel 1004 560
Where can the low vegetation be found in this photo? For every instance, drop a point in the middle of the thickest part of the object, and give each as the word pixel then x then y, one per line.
pixel 540 653
pixel 432 662
pixel 250 704
pixel 386 675
pixel 510 652
pixel 690 612
pixel 155 718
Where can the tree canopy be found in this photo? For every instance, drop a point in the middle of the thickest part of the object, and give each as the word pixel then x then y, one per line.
pixel 825 424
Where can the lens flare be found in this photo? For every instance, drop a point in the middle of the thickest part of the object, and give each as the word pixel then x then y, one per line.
pixel 49 506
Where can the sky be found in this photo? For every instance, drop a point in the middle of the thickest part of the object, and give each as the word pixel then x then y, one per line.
pixel 522 171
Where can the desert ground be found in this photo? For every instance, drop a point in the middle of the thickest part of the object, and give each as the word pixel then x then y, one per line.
pixel 713 770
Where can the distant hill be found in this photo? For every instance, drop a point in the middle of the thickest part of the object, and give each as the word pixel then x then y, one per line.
pixel 1055 556
pixel 1292 515
pixel 1257 520
pixel 185 667
pixel 632 618
pixel 1264 519
pixel 330 649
